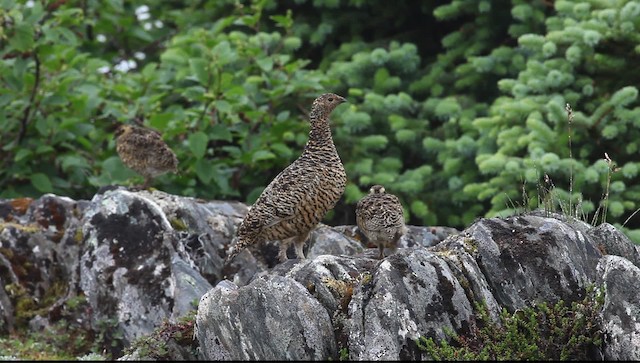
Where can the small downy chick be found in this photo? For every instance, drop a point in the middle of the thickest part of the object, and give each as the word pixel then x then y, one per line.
pixel 380 218
pixel 144 151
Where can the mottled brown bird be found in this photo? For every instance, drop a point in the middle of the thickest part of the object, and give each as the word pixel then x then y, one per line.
pixel 380 218
pixel 300 196
pixel 144 151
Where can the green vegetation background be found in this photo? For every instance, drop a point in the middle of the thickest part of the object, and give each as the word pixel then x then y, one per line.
pixel 458 107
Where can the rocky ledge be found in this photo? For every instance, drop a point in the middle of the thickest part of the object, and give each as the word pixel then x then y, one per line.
pixel 142 259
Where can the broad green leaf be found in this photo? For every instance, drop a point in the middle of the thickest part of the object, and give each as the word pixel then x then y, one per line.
pixel 161 120
pixel 199 67
pixel 142 34
pixel 284 21
pixel 222 180
pixel 262 155
pixel 204 170
pixel 115 171
pixel 282 150
pixel 223 53
pixel 21 154
pixel 220 132
pixel 7 4
pixel 72 162
pixel 266 64
pixel 222 106
pixel 175 56
pixel 22 40
pixel 198 144
pixel 196 93
pixel 41 182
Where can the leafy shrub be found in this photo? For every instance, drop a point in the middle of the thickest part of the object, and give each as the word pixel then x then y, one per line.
pixel 540 332
pixel 458 108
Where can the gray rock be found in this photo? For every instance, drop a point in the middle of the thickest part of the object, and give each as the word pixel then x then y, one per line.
pixel 460 253
pixel 415 237
pixel 611 241
pixel 618 278
pixel 39 251
pixel 143 257
pixel 132 270
pixel 410 294
pixel 272 318
pixel 325 240
pixel 531 258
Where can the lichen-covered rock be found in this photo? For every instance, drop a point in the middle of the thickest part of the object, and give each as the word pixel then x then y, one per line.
pixel 141 258
pixel 126 269
pixel 325 240
pixel 618 278
pixel 416 236
pixel 533 258
pixel 459 251
pixel 39 252
pixel 330 279
pixel 410 294
pixel 272 318
pixel 610 241
pixel 138 268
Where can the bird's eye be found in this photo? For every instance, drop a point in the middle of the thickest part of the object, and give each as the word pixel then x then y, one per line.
pixel 330 99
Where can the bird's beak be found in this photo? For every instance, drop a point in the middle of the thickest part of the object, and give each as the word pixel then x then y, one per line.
pixel 341 99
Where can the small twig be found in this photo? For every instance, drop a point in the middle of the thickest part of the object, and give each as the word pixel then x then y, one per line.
pixel 27 111
pixel 631 216
pixel 570 119
pixel 612 169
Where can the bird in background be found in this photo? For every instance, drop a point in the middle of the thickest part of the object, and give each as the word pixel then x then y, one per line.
pixel 144 151
pixel 299 197
pixel 380 219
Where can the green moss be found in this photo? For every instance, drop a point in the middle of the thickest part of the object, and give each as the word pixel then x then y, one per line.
pixel 27 307
pixel 178 224
pixel 60 341
pixel 28 228
pixel 78 236
pixel 344 354
pixel 155 346
pixel 540 332
pixel 471 245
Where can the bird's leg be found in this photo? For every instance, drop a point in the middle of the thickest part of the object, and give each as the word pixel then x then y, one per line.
pixel 282 253
pixel 147 181
pixel 299 245
pixel 381 248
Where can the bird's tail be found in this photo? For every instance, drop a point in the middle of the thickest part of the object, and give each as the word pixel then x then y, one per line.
pixel 237 245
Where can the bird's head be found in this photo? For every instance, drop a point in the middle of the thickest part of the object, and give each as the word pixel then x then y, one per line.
pixel 324 104
pixel 377 189
pixel 122 130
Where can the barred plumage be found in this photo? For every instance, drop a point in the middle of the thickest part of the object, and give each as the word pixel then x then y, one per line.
pixel 380 218
pixel 144 151
pixel 299 197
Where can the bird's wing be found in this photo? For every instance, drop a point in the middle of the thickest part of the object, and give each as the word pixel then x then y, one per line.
pixel 145 138
pixel 151 139
pixel 289 192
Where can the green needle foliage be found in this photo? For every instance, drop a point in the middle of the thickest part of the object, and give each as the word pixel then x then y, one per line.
pixel 458 108
pixel 540 332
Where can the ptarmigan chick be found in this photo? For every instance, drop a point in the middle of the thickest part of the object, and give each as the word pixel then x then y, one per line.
pixel 380 218
pixel 144 151
pixel 299 197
